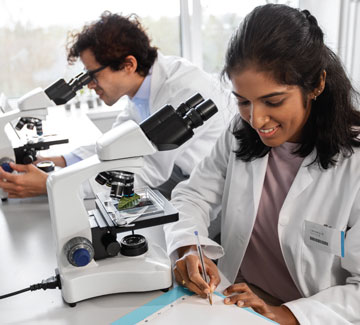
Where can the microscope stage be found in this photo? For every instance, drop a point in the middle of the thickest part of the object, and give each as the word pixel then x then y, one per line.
pixel 151 210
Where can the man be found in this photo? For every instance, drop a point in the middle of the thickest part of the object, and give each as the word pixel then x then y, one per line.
pixel 117 52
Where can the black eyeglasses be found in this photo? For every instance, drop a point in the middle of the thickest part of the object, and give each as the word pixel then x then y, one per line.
pixel 92 73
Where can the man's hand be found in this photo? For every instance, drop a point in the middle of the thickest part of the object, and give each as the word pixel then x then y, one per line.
pixel 31 181
pixel 188 272
pixel 241 295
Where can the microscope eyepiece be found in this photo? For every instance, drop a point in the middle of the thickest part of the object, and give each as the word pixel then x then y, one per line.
pixel 189 104
pixel 80 81
pixel 197 115
pixel 169 128
pixel 61 92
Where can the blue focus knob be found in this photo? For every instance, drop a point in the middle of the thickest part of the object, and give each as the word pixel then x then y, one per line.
pixel 81 257
pixel 6 167
pixel 79 251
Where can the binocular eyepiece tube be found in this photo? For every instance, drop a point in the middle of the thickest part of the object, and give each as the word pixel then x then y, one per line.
pixel 61 92
pixel 168 128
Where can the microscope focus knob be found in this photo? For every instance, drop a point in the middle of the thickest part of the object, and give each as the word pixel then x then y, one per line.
pixel 6 166
pixel 28 159
pixel 111 245
pixel 79 251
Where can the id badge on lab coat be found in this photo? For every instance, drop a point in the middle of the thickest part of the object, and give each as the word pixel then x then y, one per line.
pixel 325 238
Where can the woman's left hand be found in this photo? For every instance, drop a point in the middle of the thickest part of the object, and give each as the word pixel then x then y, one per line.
pixel 241 295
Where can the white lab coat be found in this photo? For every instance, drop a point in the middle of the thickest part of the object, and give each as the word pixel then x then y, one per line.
pixel 329 284
pixel 174 80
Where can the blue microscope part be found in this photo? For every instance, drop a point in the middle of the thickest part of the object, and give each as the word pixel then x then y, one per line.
pixel 81 257
pixel 6 167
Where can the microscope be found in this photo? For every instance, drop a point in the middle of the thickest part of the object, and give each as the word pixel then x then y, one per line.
pixel 32 108
pixel 92 260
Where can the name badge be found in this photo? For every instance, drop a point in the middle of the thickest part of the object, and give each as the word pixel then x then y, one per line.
pixel 325 238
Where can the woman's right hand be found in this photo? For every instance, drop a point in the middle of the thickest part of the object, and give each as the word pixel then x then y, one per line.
pixel 188 272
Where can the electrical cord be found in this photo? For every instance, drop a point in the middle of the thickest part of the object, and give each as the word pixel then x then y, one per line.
pixel 50 283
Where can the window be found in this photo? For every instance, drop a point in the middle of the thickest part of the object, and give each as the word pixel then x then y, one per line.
pixel 33 36
pixel 219 20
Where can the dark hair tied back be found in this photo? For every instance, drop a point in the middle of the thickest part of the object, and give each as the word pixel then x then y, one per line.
pixel 288 44
pixel 310 17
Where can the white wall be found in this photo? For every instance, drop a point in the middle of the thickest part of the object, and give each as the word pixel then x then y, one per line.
pixel 339 20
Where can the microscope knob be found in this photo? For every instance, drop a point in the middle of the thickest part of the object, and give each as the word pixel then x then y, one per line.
pixel 28 159
pixel 79 251
pixel 6 166
pixel 112 246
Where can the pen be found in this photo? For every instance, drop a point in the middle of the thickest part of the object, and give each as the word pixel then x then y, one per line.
pixel 201 256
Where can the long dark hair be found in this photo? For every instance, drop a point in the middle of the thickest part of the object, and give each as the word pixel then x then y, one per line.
pixel 289 44
pixel 112 38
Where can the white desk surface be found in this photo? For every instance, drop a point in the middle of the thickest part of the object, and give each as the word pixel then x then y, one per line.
pixel 27 256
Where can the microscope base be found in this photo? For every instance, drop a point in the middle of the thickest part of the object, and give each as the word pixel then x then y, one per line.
pixel 150 271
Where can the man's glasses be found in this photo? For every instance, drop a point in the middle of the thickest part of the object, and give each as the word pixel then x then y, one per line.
pixel 92 73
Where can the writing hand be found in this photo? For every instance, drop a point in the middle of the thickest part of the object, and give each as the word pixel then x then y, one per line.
pixel 188 273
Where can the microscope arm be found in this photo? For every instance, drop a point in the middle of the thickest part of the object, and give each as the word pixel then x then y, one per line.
pixel 34 100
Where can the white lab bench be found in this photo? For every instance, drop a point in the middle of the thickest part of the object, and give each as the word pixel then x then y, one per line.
pixel 27 255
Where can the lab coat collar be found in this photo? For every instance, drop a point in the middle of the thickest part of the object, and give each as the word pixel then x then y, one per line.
pixel 157 80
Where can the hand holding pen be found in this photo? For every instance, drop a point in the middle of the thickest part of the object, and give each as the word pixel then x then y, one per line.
pixel 203 269
pixel 187 273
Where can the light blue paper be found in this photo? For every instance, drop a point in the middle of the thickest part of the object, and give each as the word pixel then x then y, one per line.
pixel 165 299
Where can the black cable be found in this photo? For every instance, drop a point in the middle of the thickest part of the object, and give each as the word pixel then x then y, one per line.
pixel 14 293
pixel 50 283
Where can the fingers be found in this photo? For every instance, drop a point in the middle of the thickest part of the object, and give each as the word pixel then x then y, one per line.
pixel 21 168
pixel 31 181
pixel 39 158
pixel 193 266
pixel 183 280
pixel 213 273
pixel 13 177
pixel 235 288
pixel 189 269
pixel 241 295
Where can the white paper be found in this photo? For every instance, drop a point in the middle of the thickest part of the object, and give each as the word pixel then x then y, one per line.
pixel 195 310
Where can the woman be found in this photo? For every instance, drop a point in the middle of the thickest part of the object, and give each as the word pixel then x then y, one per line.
pixel 287 176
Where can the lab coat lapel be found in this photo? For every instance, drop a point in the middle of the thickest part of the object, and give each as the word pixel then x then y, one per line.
pixel 157 81
pixel 242 216
pixel 291 248
pixel 302 179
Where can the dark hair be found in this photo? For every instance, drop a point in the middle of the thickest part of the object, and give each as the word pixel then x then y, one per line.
pixel 112 38
pixel 288 43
